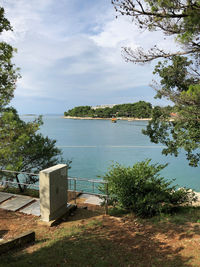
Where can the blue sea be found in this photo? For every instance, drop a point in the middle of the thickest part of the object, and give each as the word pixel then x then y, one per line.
pixel 94 145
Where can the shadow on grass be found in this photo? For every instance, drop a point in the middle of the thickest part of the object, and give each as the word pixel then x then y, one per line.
pixel 178 215
pixel 2 233
pixel 104 243
pixel 182 215
pixel 82 214
pixel 183 223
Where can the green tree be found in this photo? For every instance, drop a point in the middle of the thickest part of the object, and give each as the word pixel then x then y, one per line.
pixel 183 131
pixel 141 188
pixel 142 109
pixel 179 75
pixel 8 72
pixel 22 148
pixel 25 150
pixel 178 18
pixel 79 111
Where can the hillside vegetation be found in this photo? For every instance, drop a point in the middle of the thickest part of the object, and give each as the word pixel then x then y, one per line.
pixel 139 109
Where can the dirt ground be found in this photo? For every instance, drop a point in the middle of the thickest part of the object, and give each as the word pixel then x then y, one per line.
pixel 16 223
pixel 159 244
pixel 13 224
pixel 149 243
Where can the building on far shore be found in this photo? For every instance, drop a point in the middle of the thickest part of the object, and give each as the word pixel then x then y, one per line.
pixel 104 106
pixel 173 115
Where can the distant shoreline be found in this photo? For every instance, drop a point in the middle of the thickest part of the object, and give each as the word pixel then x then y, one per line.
pixel 118 118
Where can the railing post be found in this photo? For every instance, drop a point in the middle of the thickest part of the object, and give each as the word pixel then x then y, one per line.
pixel 75 191
pixel 106 204
pixel 70 184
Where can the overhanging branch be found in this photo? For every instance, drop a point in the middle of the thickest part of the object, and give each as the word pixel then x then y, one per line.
pixel 140 56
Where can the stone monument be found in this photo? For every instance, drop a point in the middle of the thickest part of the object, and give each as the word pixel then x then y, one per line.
pixel 53 192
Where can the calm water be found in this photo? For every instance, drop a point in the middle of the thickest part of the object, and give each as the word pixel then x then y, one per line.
pixel 93 145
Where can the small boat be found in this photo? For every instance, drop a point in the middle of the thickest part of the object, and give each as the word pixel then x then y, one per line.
pixel 114 120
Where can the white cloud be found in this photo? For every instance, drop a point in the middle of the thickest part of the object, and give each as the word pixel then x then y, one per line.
pixel 31 87
pixel 72 50
pixel 122 32
pixel 115 33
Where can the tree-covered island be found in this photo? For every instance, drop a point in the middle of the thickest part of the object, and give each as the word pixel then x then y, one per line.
pixel 139 109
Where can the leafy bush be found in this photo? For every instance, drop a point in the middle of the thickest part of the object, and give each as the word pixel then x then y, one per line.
pixel 141 189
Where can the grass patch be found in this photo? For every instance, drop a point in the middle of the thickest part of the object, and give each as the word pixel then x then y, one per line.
pixel 117 211
pixel 74 246
pixel 94 223
pixel 185 214
pixel 88 239
pixel 179 216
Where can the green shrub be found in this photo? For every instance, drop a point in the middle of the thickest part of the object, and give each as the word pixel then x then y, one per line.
pixel 141 189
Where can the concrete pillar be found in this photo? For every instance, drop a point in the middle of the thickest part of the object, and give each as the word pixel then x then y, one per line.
pixel 53 192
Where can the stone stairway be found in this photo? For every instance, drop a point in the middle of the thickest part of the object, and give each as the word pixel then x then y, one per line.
pixel 20 203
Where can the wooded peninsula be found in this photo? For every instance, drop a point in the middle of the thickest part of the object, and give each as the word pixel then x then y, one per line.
pixel 139 110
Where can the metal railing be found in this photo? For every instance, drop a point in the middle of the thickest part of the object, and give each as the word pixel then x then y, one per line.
pixel 87 186
pixel 6 182
pixel 76 185
pixel 27 185
pixel 84 185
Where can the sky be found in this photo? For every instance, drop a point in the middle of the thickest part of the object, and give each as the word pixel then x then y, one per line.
pixel 69 54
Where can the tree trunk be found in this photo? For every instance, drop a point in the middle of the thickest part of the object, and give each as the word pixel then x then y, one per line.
pixel 19 185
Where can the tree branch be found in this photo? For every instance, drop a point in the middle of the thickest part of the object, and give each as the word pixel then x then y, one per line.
pixel 139 56
pixel 126 6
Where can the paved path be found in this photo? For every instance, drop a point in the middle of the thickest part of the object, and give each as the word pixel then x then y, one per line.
pixel 25 204
pixel 91 199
